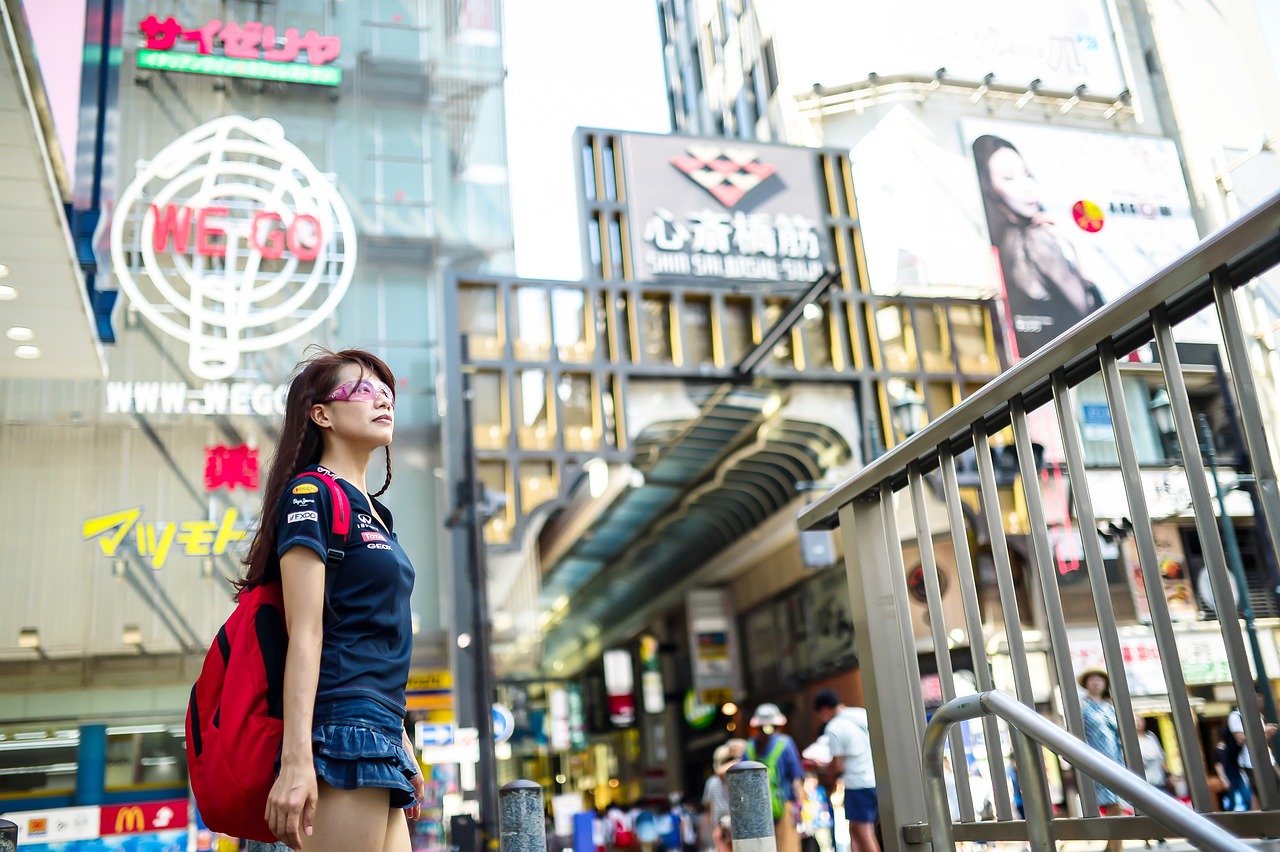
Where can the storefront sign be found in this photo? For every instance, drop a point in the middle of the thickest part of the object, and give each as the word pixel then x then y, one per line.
pixel 1141 662
pixel 702 208
pixel 231 240
pixel 714 642
pixel 153 542
pixel 651 688
pixel 143 817
pixel 619 685
pixel 229 467
pixel 696 713
pixel 243 398
pixel 250 49
pixel 56 825
pixel 558 718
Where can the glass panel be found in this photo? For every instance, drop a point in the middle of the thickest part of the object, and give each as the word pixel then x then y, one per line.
pixel 893 327
pixel 695 319
pixel 736 328
pixel 609 417
pixel 655 328
pixel 569 323
pixel 537 484
pixel 615 246
pixel 577 397
pixel 625 331
pixel 488 424
pixel 478 315
pixel 535 431
pixel 970 329
pixel 145 759
pixel 610 174
pixel 47 766
pixel 533 325
pixel 815 331
pixel 594 247
pixel 932 339
pixel 783 354
pixel 589 169
pixel 941 398
pixel 600 323
pixel 493 476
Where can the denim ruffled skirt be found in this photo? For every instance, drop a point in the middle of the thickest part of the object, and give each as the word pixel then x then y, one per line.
pixel 358 742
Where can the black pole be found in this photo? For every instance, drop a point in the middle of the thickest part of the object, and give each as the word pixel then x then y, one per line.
pixel 1263 684
pixel 470 498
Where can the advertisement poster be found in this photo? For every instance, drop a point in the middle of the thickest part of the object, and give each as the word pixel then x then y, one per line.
pixel 713 638
pixel 1075 219
pixel 1175 577
pixel 710 208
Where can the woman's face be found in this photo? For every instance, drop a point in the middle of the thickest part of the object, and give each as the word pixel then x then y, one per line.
pixel 361 420
pixel 1013 183
pixel 1095 685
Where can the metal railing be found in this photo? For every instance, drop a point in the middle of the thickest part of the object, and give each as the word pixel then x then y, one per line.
pixel 921 474
pixel 1028 726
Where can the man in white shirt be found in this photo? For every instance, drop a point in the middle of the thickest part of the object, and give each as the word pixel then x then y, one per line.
pixel 850 742
pixel 1235 725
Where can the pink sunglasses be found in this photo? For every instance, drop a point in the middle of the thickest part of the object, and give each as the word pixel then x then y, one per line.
pixel 361 390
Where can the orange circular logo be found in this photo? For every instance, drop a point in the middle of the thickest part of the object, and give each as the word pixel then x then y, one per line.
pixel 1088 216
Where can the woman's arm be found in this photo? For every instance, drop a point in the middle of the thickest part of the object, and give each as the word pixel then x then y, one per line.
pixel 291 804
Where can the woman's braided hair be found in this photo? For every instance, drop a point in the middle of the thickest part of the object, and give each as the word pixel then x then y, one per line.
pixel 300 446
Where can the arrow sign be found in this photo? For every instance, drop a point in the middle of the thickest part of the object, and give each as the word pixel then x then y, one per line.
pixel 429 734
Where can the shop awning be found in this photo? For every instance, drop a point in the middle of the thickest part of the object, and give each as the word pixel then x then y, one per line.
pixel 698 486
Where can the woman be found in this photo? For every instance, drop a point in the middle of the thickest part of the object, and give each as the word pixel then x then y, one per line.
pixel 1102 732
pixel 347 777
pixel 1046 292
pixel 779 753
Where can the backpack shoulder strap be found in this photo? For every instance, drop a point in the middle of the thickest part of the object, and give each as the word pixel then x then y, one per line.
pixel 339 525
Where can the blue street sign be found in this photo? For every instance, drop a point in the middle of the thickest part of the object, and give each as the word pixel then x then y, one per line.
pixel 428 733
pixel 503 723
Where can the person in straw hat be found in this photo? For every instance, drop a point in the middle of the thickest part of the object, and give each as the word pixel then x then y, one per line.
pixel 1102 732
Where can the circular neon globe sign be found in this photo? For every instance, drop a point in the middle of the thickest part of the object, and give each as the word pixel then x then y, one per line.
pixel 231 240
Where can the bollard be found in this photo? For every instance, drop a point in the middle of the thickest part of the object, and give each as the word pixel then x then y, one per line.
pixel 750 807
pixel 8 836
pixel 521 818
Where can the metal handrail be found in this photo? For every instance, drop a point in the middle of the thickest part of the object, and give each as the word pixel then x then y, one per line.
pixel 1027 725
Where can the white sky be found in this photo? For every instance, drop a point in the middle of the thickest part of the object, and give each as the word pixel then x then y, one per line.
pixel 571 63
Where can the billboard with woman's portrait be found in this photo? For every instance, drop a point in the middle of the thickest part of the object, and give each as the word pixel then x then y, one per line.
pixel 1075 219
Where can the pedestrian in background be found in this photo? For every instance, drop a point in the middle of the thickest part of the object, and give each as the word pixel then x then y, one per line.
pixel 778 752
pixel 715 795
pixel 1102 733
pixel 850 743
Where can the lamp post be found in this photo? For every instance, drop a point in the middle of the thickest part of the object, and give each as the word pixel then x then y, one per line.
pixel 908 412
pixel 1162 414
pixel 1237 572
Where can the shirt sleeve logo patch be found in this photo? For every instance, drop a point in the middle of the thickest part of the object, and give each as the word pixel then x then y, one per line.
pixel 305 488
pixel 373 536
pixel 294 517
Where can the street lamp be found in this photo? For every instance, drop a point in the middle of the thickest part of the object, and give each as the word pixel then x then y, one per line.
pixel 1162 414
pixel 909 413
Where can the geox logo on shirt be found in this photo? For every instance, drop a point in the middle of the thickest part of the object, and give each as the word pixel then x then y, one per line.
pixel 373 536
pixel 377 546
pixel 294 517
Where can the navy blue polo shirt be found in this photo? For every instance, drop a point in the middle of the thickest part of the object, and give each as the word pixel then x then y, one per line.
pixel 368 643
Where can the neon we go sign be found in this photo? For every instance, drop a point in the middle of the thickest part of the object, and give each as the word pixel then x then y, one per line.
pixel 232 240
pixel 249 49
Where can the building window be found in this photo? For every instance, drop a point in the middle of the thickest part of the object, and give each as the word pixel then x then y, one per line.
pixel 770 67
pixel 655 328
pixel 488 413
pixel 577 395
pixel 533 324
pixel 897 349
pixel 695 321
pixel 569 324
pixel 536 431
pixel 971 336
pixel 480 318
pixel 736 326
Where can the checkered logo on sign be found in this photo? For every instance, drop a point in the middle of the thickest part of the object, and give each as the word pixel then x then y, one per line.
pixel 729 174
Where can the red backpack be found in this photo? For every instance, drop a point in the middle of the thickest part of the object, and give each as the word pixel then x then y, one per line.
pixel 235 719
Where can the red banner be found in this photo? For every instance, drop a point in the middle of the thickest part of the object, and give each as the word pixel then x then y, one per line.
pixel 144 817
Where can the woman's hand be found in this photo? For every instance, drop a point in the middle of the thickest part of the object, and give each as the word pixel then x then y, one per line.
pixel 419 785
pixel 291 804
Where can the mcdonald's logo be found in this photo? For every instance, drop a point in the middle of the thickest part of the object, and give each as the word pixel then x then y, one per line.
pixel 130 819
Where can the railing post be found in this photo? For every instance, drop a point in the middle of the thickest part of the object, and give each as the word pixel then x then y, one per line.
pixel 521 818
pixel 1036 809
pixel 8 835
pixel 750 808
pixel 887 658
